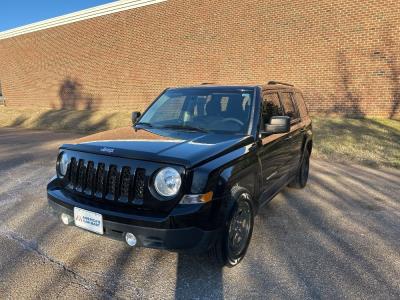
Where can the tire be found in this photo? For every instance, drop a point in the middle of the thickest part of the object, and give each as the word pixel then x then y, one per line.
pixel 300 181
pixel 231 247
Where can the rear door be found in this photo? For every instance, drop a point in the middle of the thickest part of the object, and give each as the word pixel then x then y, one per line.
pixel 295 137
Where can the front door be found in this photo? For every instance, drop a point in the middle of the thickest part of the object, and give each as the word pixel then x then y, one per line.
pixel 274 151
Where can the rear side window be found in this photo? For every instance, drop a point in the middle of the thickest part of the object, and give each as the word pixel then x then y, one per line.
pixel 289 106
pixel 301 104
pixel 271 107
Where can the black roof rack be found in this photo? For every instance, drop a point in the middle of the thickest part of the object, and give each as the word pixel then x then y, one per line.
pixel 277 82
pixel 207 83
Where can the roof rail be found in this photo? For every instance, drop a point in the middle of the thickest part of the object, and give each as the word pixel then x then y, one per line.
pixel 207 83
pixel 278 82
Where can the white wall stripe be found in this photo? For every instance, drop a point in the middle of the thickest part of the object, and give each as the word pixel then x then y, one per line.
pixel 85 14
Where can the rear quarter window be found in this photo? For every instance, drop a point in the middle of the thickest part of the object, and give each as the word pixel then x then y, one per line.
pixel 289 106
pixel 301 104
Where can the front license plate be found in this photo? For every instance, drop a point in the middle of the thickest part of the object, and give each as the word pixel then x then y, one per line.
pixel 88 220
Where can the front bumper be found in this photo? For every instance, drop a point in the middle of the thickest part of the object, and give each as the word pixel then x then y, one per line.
pixel 172 232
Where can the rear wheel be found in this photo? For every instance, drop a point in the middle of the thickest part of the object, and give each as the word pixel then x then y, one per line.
pixel 300 181
pixel 232 246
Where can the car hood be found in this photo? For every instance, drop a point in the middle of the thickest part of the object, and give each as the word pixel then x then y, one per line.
pixel 168 146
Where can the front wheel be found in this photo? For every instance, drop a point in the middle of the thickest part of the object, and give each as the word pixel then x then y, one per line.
pixel 232 246
pixel 300 181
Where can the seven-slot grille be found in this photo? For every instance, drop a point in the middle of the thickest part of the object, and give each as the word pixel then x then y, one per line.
pixel 125 185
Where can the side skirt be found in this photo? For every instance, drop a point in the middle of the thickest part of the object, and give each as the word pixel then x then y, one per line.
pixel 265 198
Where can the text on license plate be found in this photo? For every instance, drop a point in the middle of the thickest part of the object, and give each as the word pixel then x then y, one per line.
pixel 88 220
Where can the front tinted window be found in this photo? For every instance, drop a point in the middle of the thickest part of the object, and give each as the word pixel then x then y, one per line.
pixel 288 105
pixel 206 109
pixel 271 107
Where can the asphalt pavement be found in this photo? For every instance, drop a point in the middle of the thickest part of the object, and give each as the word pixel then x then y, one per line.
pixel 337 238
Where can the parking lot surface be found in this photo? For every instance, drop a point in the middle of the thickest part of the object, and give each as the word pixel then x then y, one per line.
pixel 337 238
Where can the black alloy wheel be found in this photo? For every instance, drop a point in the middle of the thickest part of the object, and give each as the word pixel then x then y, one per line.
pixel 239 230
pixel 300 181
pixel 230 249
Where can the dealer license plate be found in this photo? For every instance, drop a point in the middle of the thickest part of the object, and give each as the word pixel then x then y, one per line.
pixel 88 220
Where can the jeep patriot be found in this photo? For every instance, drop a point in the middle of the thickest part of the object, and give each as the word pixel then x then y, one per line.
pixel 191 173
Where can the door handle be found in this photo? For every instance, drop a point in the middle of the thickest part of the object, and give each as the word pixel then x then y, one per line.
pixel 272 175
pixel 289 137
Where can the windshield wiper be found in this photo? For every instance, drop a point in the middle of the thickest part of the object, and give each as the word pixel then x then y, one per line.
pixel 184 127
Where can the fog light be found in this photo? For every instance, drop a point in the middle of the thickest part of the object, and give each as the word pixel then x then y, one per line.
pixel 66 219
pixel 130 239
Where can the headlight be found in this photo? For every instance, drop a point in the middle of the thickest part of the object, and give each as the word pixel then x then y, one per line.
pixel 167 182
pixel 62 165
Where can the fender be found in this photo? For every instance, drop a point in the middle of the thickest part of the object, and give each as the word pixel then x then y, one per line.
pixel 238 168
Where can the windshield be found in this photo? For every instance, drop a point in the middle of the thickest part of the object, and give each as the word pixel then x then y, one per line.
pixel 201 110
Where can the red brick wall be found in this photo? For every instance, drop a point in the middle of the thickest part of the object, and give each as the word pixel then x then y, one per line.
pixel 344 55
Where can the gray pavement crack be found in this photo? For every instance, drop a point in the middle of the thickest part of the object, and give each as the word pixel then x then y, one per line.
pixel 32 246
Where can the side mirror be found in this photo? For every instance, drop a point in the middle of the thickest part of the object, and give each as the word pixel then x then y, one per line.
pixel 135 116
pixel 278 124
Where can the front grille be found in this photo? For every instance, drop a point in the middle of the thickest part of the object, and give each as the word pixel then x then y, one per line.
pixel 73 173
pixel 122 185
pixel 112 183
pixel 99 188
pixel 139 184
pixel 81 176
pixel 90 176
pixel 125 184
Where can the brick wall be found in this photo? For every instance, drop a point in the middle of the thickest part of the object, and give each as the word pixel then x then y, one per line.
pixel 344 55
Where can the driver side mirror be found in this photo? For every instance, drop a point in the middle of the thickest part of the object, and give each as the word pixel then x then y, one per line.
pixel 278 124
pixel 135 116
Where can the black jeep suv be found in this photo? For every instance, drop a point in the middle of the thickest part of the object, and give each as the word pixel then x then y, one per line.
pixel 192 172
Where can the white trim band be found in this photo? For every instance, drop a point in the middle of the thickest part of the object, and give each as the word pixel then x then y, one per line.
pixel 85 14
